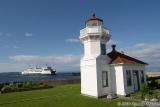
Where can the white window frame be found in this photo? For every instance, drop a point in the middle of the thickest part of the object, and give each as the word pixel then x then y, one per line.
pixel 105 82
pixel 142 76
pixel 129 78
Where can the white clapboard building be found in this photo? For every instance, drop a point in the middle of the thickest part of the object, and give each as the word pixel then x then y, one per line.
pixel 107 74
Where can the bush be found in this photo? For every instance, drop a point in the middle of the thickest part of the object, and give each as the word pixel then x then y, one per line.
pixel 45 84
pixel 29 85
pixel 144 90
pixel 148 94
pixel 153 84
pixel 155 94
pixel 19 85
pixel 6 89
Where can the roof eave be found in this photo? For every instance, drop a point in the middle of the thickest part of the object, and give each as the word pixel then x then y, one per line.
pixel 127 64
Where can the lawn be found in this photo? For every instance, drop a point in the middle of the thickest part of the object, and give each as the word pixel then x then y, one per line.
pixel 61 96
pixel 158 81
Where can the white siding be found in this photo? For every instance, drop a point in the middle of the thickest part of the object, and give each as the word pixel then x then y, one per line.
pixel 130 89
pixel 92 64
pixel 92 48
pixel 120 89
pixel 89 77
pixel 102 65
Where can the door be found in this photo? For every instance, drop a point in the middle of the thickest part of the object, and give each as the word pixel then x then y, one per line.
pixel 136 80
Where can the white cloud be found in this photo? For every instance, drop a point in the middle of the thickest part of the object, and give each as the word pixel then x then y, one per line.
pixel 1 33
pixel 28 34
pixel 30 58
pixel 149 53
pixel 61 63
pixel 73 40
pixel 139 45
pixel 11 67
pixel 9 47
pixel 16 47
pixel 6 46
pixel 8 34
pixel 111 42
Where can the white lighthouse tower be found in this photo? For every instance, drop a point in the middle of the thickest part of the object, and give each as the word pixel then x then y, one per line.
pixel 94 64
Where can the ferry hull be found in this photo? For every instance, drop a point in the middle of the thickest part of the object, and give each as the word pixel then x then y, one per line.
pixel 42 71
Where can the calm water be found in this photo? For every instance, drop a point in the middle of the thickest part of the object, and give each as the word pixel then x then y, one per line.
pixel 16 77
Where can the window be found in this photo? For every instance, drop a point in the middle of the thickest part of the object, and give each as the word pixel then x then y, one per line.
pixel 128 76
pixel 142 76
pixel 103 49
pixel 105 79
pixel 94 24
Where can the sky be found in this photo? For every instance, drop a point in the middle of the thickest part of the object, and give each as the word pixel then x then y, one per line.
pixel 40 32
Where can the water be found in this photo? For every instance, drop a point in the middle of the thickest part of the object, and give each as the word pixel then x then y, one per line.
pixel 17 77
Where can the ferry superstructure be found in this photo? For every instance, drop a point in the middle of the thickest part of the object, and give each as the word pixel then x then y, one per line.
pixel 39 70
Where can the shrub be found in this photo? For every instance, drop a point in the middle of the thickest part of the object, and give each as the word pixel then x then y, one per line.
pixel 6 89
pixel 19 85
pixel 29 85
pixel 12 85
pixel 45 84
pixel 153 84
pixel 1 85
pixel 155 94
pixel 144 90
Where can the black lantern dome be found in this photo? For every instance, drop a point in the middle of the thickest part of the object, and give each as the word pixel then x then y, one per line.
pixel 94 21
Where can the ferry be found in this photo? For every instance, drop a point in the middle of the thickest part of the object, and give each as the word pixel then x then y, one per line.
pixel 47 70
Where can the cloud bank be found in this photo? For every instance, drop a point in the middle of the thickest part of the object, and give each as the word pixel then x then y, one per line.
pixel 72 40
pixel 61 63
pixel 149 53
pixel 28 34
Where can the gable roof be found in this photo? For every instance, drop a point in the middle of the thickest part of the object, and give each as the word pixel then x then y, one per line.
pixel 119 58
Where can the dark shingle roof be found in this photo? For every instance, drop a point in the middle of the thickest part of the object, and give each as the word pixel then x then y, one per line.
pixel 119 58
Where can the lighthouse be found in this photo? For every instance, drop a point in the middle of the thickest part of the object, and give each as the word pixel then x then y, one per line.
pixel 107 74
pixel 94 62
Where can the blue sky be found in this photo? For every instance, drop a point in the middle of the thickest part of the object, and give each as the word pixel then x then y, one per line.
pixel 39 32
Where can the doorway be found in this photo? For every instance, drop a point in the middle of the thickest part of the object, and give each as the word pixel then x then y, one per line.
pixel 136 80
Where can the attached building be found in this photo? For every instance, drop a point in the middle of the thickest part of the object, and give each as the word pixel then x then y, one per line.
pixel 107 73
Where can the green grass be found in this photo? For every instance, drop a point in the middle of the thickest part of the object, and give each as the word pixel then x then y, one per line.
pixel 62 96
pixel 136 95
pixel 158 81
